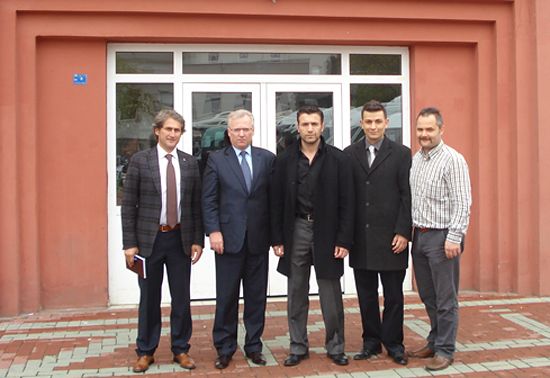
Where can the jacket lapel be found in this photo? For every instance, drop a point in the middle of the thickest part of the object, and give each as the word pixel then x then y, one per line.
pixel 183 173
pixel 257 167
pixel 292 173
pixel 383 153
pixel 153 161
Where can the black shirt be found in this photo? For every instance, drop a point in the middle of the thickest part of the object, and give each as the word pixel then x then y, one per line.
pixel 307 179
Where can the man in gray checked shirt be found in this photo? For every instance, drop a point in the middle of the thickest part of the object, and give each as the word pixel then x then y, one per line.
pixel 441 199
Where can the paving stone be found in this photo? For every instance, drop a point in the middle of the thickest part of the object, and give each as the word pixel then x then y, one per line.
pixel 477 367
pixel 383 374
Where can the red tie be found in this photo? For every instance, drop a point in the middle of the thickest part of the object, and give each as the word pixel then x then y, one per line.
pixel 171 198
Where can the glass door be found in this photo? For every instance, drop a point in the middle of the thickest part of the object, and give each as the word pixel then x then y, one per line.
pixel 283 102
pixel 205 110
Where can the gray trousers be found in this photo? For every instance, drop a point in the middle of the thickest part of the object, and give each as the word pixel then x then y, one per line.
pixel 330 296
pixel 437 279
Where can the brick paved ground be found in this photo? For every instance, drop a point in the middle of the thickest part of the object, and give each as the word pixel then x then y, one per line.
pixel 499 336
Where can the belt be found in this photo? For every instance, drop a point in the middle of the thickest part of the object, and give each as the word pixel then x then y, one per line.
pixel 425 229
pixel 167 228
pixel 308 217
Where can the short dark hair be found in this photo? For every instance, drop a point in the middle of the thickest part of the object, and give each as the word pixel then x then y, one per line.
pixel 425 112
pixel 310 109
pixel 374 106
pixel 164 114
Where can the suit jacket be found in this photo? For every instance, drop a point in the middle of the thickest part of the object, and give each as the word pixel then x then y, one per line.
pixel 142 202
pixel 383 198
pixel 227 205
pixel 333 205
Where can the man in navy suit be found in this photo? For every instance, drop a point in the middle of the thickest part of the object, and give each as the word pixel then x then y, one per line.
pixel 235 202
pixel 161 221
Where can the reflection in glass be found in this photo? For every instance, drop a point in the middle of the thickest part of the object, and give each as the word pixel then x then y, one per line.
pixel 375 64
pixel 144 63
pixel 210 111
pixel 136 107
pixel 287 105
pixel 389 95
pixel 261 63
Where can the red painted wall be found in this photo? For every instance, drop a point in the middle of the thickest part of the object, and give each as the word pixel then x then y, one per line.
pixel 483 62
pixel 71 173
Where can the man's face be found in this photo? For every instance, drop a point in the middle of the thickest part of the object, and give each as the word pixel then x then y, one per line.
pixel 310 128
pixel 241 131
pixel 374 125
pixel 169 134
pixel 427 132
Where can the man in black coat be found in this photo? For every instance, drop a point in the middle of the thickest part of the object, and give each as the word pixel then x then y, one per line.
pixel 312 224
pixel 382 231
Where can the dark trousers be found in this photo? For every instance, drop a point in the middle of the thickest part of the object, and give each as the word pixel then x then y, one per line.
pixel 167 251
pixel 437 278
pixel 231 268
pixel 388 330
pixel 330 296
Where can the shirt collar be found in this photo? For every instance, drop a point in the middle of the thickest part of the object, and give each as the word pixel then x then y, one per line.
pixel 247 149
pixel 162 152
pixel 376 145
pixel 320 149
pixel 433 152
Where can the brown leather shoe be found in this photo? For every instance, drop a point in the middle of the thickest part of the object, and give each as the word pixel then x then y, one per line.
pixel 185 361
pixel 142 363
pixel 424 352
pixel 439 363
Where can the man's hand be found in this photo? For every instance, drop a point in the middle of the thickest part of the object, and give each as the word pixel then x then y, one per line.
pixel 196 253
pixel 216 242
pixel 129 254
pixel 279 250
pixel 340 252
pixel 451 249
pixel 398 244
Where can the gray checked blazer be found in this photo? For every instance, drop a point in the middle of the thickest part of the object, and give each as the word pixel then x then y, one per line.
pixel 142 202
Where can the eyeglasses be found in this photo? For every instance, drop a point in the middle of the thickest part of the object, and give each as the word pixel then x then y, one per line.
pixel 244 130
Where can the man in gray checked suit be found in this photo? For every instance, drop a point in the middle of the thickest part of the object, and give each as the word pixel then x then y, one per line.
pixel 162 221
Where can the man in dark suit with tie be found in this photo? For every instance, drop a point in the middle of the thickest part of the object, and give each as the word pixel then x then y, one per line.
pixel 162 221
pixel 382 231
pixel 235 201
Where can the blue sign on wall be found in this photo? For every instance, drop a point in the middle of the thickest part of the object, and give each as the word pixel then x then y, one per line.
pixel 80 79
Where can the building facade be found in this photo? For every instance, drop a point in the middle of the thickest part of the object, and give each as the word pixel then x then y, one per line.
pixel 80 85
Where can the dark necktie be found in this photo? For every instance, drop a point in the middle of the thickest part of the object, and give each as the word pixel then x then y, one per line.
pixel 372 155
pixel 246 171
pixel 171 197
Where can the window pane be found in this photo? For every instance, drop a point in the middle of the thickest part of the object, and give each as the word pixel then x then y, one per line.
pixel 144 62
pixel 375 64
pixel 389 95
pixel 261 63
pixel 210 111
pixel 136 107
pixel 287 105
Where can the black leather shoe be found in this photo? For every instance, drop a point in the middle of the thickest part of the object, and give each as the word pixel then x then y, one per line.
pixel 295 359
pixel 339 359
pixel 222 361
pixel 400 359
pixel 257 358
pixel 365 354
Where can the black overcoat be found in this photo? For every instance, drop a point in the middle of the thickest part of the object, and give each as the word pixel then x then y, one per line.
pixel 333 209
pixel 383 205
